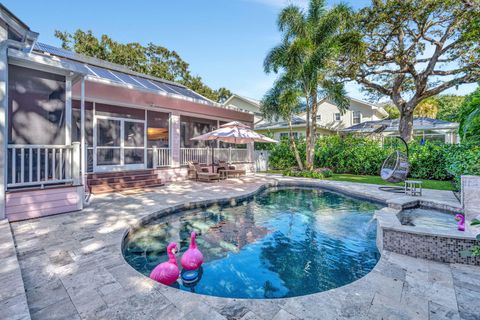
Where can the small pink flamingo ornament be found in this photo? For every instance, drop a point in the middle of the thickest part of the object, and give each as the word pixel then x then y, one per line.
pixel 167 272
pixel 192 259
pixel 461 222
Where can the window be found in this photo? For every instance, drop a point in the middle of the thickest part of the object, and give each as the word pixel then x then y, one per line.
pixel 357 117
pixel 337 116
pixel 157 129
pixel 319 117
pixel 284 135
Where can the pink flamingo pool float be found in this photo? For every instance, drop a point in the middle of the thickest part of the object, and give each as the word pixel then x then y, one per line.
pixel 167 272
pixel 461 221
pixel 192 259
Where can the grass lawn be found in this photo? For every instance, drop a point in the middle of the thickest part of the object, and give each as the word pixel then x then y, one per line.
pixel 427 184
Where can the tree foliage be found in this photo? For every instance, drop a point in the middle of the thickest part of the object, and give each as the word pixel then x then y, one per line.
pixel 470 118
pixel 442 107
pixel 449 107
pixel 151 59
pixel 284 101
pixel 416 49
pixel 312 41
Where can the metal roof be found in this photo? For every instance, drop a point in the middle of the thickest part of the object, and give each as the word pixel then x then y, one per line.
pixel 101 69
pixel 297 121
pixel 420 123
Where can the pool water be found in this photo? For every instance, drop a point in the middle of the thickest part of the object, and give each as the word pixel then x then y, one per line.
pixel 428 219
pixel 282 243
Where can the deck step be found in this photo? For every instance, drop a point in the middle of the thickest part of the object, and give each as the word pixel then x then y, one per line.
pixel 123 180
pixel 107 180
pixel 113 187
pixel 117 174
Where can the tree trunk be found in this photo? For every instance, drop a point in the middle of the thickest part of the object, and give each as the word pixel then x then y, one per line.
pixel 294 146
pixel 313 133
pixel 308 131
pixel 405 126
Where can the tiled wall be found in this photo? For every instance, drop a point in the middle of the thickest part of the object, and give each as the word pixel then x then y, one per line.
pixel 435 248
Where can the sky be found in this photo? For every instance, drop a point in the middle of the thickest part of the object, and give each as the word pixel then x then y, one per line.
pixel 224 41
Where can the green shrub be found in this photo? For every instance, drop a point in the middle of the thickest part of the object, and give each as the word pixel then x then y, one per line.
pixel 365 156
pixel 326 172
pixel 463 159
pixel 428 161
pixel 282 157
pixel 304 174
pixel 350 155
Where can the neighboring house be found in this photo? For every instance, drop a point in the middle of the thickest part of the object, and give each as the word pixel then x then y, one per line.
pixel 329 119
pixel 67 116
pixel 244 104
pixel 423 129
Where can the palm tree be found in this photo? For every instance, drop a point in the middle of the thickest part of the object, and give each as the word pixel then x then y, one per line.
pixel 284 101
pixel 312 41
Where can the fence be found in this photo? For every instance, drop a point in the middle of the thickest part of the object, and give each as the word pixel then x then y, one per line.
pixel 204 155
pixel 261 160
pixel 39 165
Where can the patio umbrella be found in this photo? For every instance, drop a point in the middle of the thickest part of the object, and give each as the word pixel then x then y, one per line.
pixel 233 132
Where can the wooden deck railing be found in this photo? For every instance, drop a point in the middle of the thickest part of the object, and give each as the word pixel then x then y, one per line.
pixel 204 155
pixel 40 165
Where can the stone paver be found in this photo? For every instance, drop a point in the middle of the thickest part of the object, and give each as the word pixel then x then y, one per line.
pixel 13 303
pixel 73 268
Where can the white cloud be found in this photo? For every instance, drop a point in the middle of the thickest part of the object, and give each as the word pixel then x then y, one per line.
pixel 282 3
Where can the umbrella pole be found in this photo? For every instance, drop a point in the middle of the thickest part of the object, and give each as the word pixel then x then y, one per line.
pixel 213 157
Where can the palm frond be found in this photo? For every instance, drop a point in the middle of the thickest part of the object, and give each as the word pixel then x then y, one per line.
pixel 275 58
pixel 291 22
pixel 335 92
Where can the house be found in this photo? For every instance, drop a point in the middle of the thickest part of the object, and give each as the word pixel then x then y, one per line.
pixel 423 129
pixel 69 120
pixel 244 104
pixel 330 119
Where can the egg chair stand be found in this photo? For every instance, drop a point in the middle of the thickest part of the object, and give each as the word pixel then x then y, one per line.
pixel 395 169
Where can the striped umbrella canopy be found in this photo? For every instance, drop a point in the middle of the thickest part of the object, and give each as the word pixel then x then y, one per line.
pixel 234 132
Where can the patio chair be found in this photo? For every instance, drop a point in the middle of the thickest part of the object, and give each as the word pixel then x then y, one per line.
pixel 226 170
pixel 202 173
pixel 223 165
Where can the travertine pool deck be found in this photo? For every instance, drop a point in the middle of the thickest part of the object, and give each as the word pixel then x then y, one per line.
pixel 72 268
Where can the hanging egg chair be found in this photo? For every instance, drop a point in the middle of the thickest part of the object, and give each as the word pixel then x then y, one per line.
pixel 395 169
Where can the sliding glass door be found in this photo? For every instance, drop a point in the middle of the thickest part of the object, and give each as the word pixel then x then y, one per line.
pixel 119 144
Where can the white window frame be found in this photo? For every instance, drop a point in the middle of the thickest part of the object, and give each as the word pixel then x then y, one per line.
pixel 339 116
pixel 122 147
pixel 359 117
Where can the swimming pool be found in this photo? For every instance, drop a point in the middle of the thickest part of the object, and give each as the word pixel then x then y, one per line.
pixel 284 242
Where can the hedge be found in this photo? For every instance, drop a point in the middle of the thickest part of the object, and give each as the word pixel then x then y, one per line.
pixel 354 155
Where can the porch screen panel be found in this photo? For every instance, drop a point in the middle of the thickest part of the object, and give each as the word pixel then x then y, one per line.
pixel 76 129
pixel 119 112
pixel 134 142
pixel 36 105
pixel 191 127
pixel 108 142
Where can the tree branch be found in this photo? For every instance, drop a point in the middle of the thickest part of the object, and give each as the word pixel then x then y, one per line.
pixel 375 86
pixel 470 78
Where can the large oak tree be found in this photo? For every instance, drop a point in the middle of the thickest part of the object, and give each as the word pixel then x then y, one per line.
pixel 416 49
